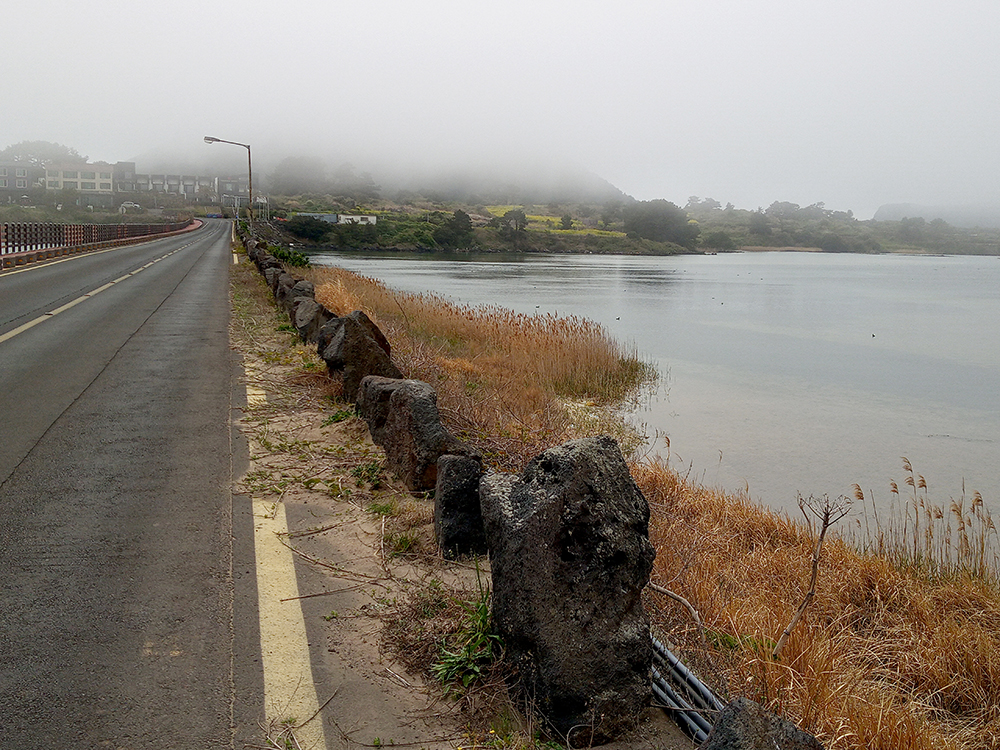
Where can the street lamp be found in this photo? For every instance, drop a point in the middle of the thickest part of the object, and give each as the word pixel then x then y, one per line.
pixel 210 139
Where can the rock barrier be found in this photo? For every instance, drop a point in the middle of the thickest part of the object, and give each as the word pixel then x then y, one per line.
pixel 568 539
pixel 354 346
pixel 745 725
pixel 570 555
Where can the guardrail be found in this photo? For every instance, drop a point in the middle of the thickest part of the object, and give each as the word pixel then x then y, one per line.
pixel 22 243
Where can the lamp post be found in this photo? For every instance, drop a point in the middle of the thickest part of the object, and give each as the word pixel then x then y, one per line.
pixel 210 139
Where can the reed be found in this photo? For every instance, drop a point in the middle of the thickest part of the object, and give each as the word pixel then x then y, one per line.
pixel 937 540
pixel 890 654
pixel 502 378
pixel 900 645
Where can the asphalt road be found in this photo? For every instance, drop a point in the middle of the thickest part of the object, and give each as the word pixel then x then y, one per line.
pixel 127 595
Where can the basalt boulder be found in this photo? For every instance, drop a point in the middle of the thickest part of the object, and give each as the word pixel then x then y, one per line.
pixel 373 402
pixel 359 317
pixel 266 260
pixel 271 275
pixel 286 297
pixel 403 419
pixel 347 345
pixel 745 725
pixel 308 317
pixel 458 520
pixel 283 285
pixel 570 556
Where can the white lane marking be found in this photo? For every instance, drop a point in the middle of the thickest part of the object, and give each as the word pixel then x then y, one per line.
pixel 33 266
pixel 92 293
pixel 289 690
pixel 44 264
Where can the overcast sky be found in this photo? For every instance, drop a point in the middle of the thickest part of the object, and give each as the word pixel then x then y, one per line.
pixel 852 103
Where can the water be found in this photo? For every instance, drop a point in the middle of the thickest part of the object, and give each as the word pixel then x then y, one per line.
pixel 784 373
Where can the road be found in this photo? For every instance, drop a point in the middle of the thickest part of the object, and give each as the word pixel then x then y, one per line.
pixel 127 595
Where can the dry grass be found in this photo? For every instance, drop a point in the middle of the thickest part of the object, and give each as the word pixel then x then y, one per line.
pixel 939 540
pixel 887 656
pixel 900 648
pixel 502 378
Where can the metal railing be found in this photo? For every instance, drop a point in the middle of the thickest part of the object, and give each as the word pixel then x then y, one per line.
pixel 19 237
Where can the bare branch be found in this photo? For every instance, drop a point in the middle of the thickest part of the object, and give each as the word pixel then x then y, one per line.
pixel 688 605
pixel 828 512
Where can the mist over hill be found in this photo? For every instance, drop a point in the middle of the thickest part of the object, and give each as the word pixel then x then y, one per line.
pixel 967 216
pixel 501 183
pixel 468 180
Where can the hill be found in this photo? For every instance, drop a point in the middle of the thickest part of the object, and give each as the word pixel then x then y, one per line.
pixel 968 216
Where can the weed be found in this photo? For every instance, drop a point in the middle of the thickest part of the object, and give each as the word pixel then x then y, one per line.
pixel 401 542
pixel 291 257
pixel 501 377
pixel 892 652
pixel 726 642
pixel 332 616
pixel 370 473
pixel 337 490
pixel 464 656
pixel 340 415
pixel 936 540
pixel 382 507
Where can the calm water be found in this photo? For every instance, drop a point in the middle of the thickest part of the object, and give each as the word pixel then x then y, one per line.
pixel 783 373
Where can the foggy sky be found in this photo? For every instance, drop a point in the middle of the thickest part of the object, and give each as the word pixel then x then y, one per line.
pixel 852 103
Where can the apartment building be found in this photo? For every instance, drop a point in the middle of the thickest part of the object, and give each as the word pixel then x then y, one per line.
pixel 107 185
pixel 17 178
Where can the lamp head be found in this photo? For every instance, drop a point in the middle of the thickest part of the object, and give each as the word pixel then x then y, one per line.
pixel 210 139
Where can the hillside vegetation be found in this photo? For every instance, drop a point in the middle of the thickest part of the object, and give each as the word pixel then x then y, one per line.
pixel 627 227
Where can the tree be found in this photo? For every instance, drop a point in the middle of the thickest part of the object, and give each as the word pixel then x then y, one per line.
pixel 612 210
pixel 782 209
pixel 661 221
pixel 759 223
pixel 456 232
pixel 309 228
pixel 912 229
pixel 566 222
pixel 719 240
pixel 42 153
pixel 515 220
pixel 833 243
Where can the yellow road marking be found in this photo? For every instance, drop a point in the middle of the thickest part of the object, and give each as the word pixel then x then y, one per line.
pixel 289 690
pixel 255 396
